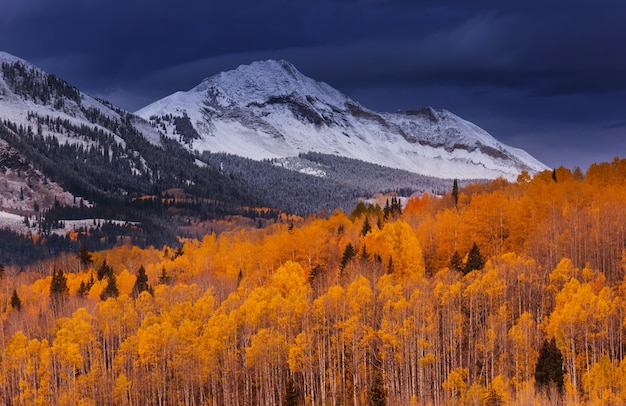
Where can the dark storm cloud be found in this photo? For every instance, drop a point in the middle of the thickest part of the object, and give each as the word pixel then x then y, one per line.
pixel 538 75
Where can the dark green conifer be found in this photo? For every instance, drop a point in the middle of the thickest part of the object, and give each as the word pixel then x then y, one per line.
pixel 475 260
pixel 456 262
pixel 364 254
pixel 367 227
pixel 58 290
pixel 377 393
pixel 549 368
pixel 16 303
pixel 348 254
pixel 104 270
pixel 164 278
pixel 84 256
pixel 111 289
pixel 291 394
pixel 82 289
pixel 455 192
pixel 141 283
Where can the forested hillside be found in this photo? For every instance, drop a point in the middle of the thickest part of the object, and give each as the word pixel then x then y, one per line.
pixel 494 294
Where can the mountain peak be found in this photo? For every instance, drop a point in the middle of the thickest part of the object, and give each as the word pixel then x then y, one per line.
pixel 269 109
pixel 271 67
pixel 260 78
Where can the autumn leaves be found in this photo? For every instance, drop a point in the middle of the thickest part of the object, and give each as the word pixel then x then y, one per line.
pixel 282 315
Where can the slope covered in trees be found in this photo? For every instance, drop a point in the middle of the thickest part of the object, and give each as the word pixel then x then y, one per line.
pixel 281 315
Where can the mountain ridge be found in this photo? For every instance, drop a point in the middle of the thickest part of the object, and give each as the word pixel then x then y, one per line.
pixel 269 109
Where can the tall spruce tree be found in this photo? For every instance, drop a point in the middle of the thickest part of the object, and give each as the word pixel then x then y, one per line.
pixel 84 256
pixel 549 368
pixel 456 262
pixel 16 303
pixel 104 270
pixel 164 278
pixel 291 394
pixel 59 291
pixel 141 284
pixel 111 289
pixel 367 227
pixel 377 393
pixel 348 254
pixel 475 260
pixel 455 192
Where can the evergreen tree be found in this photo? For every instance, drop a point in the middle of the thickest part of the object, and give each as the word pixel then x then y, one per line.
pixel 16 303
pixel 315 272
pixel 239 277
pixel 1 270
pixel 348 254
pixel 58 290
pixel 164 278
pixel 456 262
pixel 141 284
pixel 291 394
pixel 364 254
pixel 82 289
pixel 475 260
pixel 84 256
pixel 104 270
pixel 455 192
pixel 111 289
pixel 377 394
pixel 549 368
pixel 366 227
pixel 392 210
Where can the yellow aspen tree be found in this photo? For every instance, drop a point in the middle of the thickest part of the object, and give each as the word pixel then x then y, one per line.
pixel 185 363
pixel 395 310
pixel 267 357
pixel 523 350
pixel 483 297
pixel 419 338
pixel 601 382
pixel 218 333
pixel 579 323
pixel 450 344
pixel 14 367
pixel 116 320
pixel 155 345
pixel 456 386
pixel 397 241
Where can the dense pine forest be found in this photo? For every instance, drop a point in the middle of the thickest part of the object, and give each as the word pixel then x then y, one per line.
pixel 493 294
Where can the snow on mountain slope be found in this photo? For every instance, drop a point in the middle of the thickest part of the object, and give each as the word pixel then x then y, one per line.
pixel 48 110
pixel 270 110
pixel 16 107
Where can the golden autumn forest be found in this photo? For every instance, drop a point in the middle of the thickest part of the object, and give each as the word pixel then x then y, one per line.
pixel 494 294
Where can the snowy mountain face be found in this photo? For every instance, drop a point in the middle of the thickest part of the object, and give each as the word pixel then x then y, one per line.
pixel 67 157
pixel 91 146
pixel 50 132
pixel 270 110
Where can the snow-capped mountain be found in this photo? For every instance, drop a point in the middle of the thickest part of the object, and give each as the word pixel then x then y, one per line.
pixel 270 110
pixel 47 115
pixel 60 147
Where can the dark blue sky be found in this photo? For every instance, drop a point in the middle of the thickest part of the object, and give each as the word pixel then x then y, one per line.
pixel 545 76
